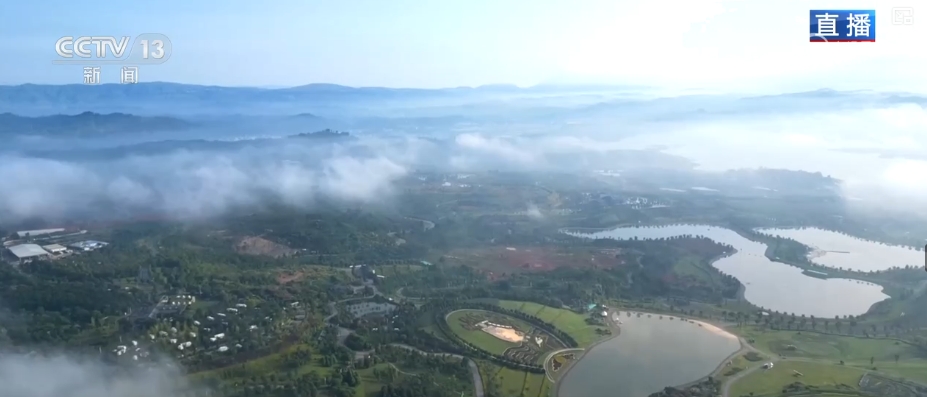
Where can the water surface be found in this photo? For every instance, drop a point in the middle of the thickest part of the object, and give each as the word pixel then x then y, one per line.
pixel 649 354
pixel 838 250
pixel 772 285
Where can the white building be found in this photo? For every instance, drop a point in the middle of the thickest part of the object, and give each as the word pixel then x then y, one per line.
pixel 28 252
pixel 55 248
pixel 39 232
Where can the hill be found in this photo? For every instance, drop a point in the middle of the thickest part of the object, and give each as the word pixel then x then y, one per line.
pixel 88 123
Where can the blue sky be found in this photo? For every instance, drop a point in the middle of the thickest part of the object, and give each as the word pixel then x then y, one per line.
pixel 405 43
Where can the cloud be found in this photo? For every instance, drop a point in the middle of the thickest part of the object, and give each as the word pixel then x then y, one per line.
pixel 534 212
pixel 40 376
pixel 870 140
pixel 878 151
pixel 192 184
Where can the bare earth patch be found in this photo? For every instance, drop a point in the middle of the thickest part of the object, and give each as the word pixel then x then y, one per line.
pixel 496 262
pixel 504 333
pixel 289 277
pixel 251 245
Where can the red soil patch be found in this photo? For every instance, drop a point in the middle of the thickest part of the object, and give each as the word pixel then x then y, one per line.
pixel 261 246
pixel 497 262
pixel 289 277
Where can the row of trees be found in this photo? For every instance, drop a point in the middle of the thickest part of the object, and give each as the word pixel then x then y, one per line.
pixel 442 308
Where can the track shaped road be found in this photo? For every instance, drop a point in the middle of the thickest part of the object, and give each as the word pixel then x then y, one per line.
pixel 344 332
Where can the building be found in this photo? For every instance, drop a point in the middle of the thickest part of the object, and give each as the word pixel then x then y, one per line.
pixel 27 252
pixel 55 248
pixel 815 273
pixel 88 245
pixel 38 232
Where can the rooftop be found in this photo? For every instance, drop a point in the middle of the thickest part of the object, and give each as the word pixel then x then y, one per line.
pixel 54 247
pixel 38 232
pixel 27 251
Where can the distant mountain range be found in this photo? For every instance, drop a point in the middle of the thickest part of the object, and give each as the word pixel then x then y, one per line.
pixel 88 124
pixel 176 99
pixel 198 145
pixel 315 106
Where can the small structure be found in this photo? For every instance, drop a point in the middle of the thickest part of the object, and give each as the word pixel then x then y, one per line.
pixel 815 273
pixel 55 248
pixel 27 252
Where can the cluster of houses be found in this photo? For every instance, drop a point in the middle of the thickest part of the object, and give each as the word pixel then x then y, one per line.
pixel 185 340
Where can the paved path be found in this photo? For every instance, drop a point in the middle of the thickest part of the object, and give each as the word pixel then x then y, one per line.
pixel 344 332
pixel 474 370
pixel 746 347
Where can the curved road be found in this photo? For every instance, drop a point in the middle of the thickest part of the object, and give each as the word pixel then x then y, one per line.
pixel 344 332
pixel 745 347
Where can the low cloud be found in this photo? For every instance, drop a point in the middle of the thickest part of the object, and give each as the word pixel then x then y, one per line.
pixel 191 184
pixel 34 375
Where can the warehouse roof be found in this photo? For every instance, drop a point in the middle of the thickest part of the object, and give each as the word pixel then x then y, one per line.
pixel 54 247
pixel 27 251
pixel 38 232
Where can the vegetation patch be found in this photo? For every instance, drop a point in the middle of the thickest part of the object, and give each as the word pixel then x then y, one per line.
pixel 560 360
pixel 500 334
pixel 464 324
pixel 798 376
pixel 882 386
pixel 568 321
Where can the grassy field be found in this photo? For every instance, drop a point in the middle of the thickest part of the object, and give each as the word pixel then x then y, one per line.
pixel 513 383
pixel 693 266
pixel 482 339
pixel 854 351
pixel 825 377
pixel 566 320
pixel 370 385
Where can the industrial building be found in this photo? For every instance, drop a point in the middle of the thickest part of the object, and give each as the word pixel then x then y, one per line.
pixel 88 245
pixel 39 232
pixel 27 252
pixel 55 249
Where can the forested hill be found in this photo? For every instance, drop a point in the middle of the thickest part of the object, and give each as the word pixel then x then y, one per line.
pixel 88 124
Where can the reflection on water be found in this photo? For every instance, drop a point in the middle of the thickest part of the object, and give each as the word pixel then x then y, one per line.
pixel 768 284
pixel 838 250
pixel 649 354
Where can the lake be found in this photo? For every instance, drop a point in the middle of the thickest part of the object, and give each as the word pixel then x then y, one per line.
pixel 838 250
pixel 649 354
pixel 772 285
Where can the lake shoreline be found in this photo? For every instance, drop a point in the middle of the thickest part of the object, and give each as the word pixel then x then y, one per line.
pixel 616 331
pixel 708 326
pixel 754 236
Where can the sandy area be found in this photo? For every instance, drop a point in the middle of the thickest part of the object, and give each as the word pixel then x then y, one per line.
pixel 506 334
pixel 707 326
pixel 715 329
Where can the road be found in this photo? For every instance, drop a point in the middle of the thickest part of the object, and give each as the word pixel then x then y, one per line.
pixel 745 347
pixel 474 370
pixel 344 332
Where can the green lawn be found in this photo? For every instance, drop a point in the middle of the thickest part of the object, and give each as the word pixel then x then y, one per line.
pixel 370 385
pixel 832 347
pixel 536 385
pixel 482 339
pixel 566 320
pixel 854 351
pixel 825 377
pixel 510 382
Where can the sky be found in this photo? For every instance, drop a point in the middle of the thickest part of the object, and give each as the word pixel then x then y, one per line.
pixel 732 45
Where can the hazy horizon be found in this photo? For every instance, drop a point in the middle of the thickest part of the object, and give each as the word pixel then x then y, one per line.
pixel 709 44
